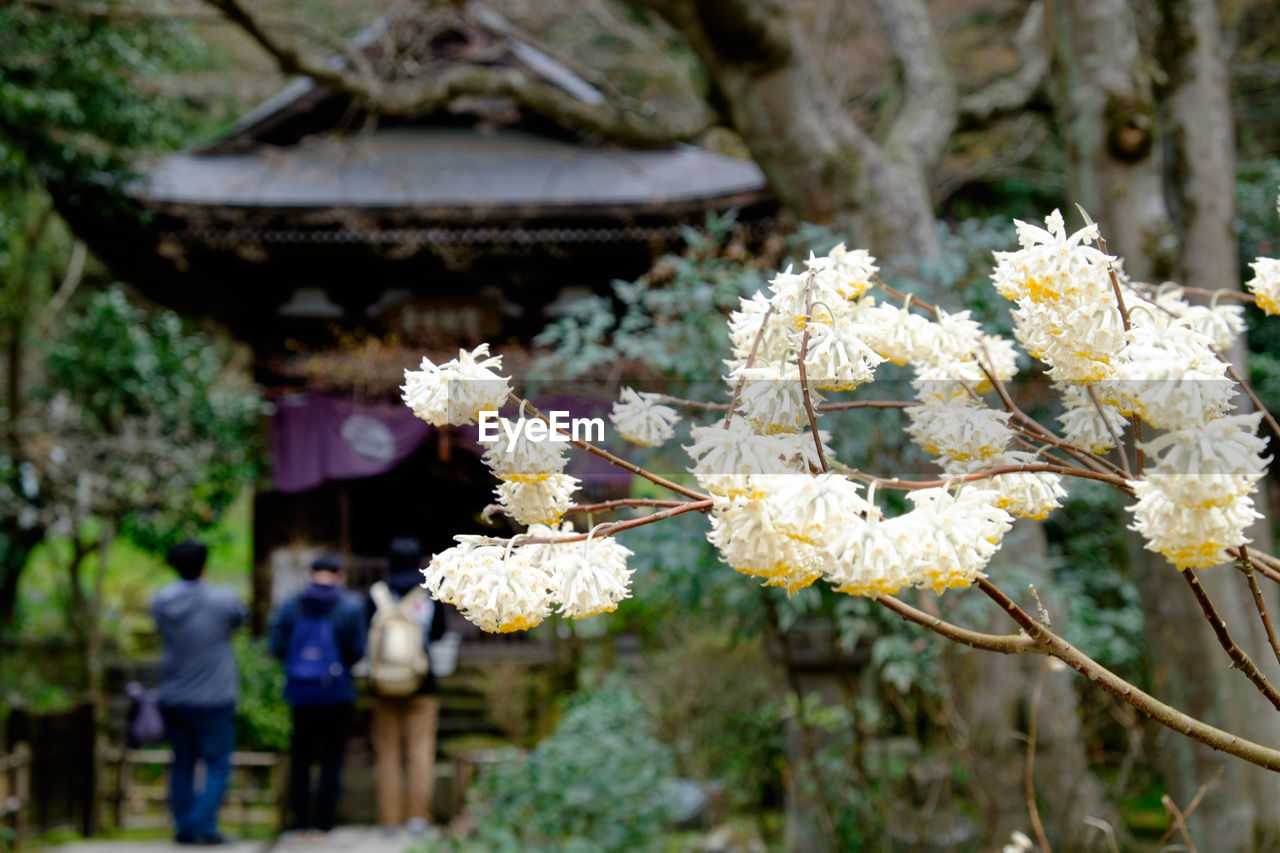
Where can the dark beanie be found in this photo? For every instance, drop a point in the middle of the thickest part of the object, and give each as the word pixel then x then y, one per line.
pixel 404 552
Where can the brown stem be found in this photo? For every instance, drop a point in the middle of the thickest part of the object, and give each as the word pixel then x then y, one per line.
pixel 804 380
pixel 691 404
pixel 865 404
pixel 1051 644
pixel 1008 644
pixel 1115 438
pixel 1029 778
pixel 605 506
pixel 1191 807
pixel 1238 657
pixel 1246 566
pixel 617 461
pixel 1179 821
pixel 1034 429
pixel 898 294
pixel 607 529
pixel 1253 398
pixel 751 357
pixel 1030 467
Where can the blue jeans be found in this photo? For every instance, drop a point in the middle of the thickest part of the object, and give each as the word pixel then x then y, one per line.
pixel 208 735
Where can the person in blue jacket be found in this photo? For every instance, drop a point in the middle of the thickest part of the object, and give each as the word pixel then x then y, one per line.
pixel 198 690
pixel 319 633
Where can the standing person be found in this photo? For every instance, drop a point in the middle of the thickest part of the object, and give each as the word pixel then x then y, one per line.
pixel 404 621
pixel 318 633
pixel 199 687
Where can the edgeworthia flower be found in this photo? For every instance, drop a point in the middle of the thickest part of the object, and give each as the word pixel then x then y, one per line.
pixel 641 419
pixel 454 393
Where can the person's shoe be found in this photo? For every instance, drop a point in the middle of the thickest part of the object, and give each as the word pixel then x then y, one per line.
pixel 214 840
pixel 390 830
pixel 417 827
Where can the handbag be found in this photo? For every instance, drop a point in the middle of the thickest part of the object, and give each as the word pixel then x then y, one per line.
pixel 146 723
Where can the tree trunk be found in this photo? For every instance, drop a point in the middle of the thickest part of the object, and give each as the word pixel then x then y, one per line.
pixel 1106 111
pixel 988 694
pixel 1239 813
pixel 822 165
pixel 1154 165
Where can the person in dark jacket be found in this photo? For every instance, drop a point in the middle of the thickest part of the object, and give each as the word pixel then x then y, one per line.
pixel 319 633
pixel 404 728
pixel 199 687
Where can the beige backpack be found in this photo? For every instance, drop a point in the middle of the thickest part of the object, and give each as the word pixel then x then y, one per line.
pixel 397 661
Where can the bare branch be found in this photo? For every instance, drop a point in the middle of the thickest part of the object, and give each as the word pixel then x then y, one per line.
pixel 1245 565
pixel 1238 657
pixel 1014 91
pixel 1051 644
pixel 419 95
pixel 1008 644
pixel 616 460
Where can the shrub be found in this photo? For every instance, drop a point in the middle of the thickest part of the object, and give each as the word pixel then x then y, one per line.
pixel 595 783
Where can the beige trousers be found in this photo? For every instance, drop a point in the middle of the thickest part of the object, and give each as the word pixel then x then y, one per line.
pixel 404 733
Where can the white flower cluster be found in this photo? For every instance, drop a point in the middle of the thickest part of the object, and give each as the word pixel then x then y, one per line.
pixel 791 529
pixel 513 588
pixel 641 419
pixel 1196 500
pixel 1167 368
pixel 534 488
pixel 454 393
pixel 776 516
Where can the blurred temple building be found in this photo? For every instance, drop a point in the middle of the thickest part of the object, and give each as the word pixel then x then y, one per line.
pixel 341 248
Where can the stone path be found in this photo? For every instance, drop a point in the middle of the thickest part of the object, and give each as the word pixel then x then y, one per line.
pixel 345 838
pixel 129 846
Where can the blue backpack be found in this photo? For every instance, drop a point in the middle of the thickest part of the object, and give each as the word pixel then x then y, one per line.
pixel 313 664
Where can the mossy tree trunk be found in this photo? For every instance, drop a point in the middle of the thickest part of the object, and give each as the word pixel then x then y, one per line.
pixel 1143 98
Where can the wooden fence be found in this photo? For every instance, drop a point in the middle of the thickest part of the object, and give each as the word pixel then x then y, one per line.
pixel 15 796
pixel 136 793
pixel 63 774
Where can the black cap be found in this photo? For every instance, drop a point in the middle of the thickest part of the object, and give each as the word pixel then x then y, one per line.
pixel 326 563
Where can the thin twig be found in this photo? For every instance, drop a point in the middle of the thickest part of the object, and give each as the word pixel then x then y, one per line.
pixel 1034 429
pixel 1009 644
pixel 1179 822
pixel 804 381
pixel 751 357
pixel 614 460
pixel 603 529
pixel 1191 807
pixel 865 404
pixel 1115 437
pixel 1134 420
pixel 1029 781
pixel 1246 565
pixel 1238 657
pixel 691 404
pixel 1253 398
pixel 1030 467
pixel 898 294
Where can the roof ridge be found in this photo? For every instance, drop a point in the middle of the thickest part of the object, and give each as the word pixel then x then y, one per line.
pixel 302 92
